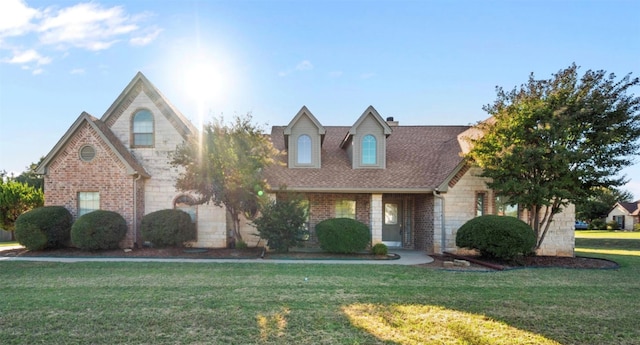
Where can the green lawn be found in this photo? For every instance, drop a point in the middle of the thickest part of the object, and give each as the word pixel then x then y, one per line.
pixel 160 303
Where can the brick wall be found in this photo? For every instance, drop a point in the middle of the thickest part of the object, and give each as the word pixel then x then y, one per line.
pixel 322 206
pixel 423 223
pixel 68 174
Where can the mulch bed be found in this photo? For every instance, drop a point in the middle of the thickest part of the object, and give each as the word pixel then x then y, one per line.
pixel 477 263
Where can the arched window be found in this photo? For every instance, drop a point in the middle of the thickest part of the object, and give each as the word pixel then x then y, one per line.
pixel 369 155
pixel 304 149
pixel 142 129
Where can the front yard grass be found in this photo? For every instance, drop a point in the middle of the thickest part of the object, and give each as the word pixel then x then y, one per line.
pixel 192 303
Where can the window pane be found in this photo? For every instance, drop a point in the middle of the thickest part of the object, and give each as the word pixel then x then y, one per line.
pixel 369 149
pixel 143 128
pixel 479 204
pixel 346 209
pixel 87 202
pixel 504 208
pixel 304 149
pixel 391 214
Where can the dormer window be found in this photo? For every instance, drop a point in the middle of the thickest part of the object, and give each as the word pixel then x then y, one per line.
pixel 369 149
pixel 304 149
pixel 142 129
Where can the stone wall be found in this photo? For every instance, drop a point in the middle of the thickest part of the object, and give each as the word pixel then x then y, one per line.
pixel 460 206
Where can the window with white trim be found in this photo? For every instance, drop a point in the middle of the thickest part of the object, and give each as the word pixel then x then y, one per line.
pixel 88 202
pixel 346 209
pixel 304 149
pixel 142 129
pixel 369 149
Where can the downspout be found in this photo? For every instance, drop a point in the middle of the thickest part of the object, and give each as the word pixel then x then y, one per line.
pixel 135 208
pixel 443 237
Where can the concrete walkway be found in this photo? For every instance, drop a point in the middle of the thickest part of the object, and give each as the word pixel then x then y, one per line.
pixel 407 257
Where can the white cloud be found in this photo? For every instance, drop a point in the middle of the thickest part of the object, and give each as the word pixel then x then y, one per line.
pixel 146 37
pixel 88 26
pixel 37 71
pixel 28 56
pixel 15 17
pixel 367 75
pixel 304 65
pixel 77 71
pixel 335 74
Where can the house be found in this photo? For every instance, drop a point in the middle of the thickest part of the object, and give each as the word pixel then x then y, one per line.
pixel 409 184
pixel 626 214
pixel 121 162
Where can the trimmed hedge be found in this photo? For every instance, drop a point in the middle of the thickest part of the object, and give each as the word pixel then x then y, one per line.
pixel 168 228
pixel 52 222
pixel 497 236
pixel 380 249
pixel 99 229
pixel 343 235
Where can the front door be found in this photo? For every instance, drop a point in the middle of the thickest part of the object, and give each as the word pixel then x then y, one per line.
pixel 392 223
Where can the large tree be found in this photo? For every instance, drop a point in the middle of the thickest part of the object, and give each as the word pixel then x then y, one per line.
pixel 224 166
pixel 555 141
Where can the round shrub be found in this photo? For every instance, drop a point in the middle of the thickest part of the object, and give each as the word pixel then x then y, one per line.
pixel 168 228
pixel 99 229
pixel 54 222
pixel 497 237
pixel 380 249
pixel 343 235
pixel 31 236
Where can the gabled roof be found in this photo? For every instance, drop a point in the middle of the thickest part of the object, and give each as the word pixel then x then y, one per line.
pixel 138 84
pixel 419 159
pixel 116 146
pixel 304 112
pixel 633 208
pixel 369 112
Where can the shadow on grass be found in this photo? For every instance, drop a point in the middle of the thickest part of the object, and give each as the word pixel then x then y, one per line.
pixel 428 324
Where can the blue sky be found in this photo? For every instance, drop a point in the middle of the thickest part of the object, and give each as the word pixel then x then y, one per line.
pixel 423 62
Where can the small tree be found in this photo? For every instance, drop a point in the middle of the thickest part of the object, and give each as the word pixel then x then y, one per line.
pixel 282 222
pixel 224 166
pixel 17 198
pixel 552 142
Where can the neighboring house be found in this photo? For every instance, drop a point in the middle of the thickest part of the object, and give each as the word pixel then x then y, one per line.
pixel 626 214
pixel 121 163
pixel 410 184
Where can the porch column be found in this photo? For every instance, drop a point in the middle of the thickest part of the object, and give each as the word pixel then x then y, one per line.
pixel 376 218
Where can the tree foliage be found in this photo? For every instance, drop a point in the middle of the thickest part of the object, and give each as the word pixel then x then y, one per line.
pixel 17 198
pixel 598 205
pixel 554 141
pixel 225 165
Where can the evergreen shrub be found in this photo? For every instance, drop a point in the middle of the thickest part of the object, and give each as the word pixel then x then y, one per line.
pixel 343 235
pixel 168 228
pixel 497 237
pixel 98 229
pixel 380 249
pixel 54 222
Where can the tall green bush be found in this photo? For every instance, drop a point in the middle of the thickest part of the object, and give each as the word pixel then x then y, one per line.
pixel 282 222
pixel 169 227
pixel 343 235
pixel 53 221
pixel 497 236
pixel 99 229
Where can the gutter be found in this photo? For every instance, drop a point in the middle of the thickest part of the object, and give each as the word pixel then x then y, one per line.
pixel 135 208
pixel 443 236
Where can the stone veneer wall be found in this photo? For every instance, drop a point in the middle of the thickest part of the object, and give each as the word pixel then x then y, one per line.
pixel 68 175
pixel 460 206
pixel 159 190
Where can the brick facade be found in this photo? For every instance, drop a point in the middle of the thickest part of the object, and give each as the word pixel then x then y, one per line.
pixel 106 174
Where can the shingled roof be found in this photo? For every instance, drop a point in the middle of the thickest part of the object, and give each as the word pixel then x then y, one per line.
pixel 419 159
pixel 632 207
